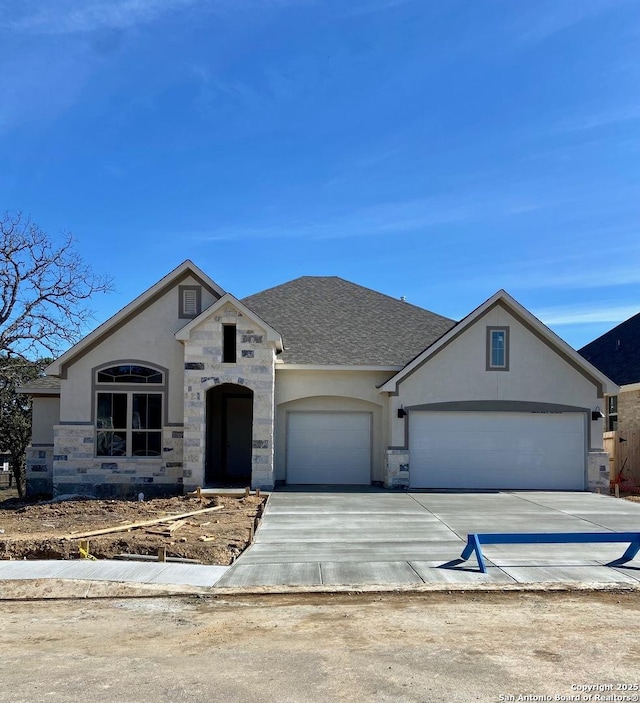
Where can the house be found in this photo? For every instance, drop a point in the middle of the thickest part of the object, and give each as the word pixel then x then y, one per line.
pixel 617 354
pixel 316 381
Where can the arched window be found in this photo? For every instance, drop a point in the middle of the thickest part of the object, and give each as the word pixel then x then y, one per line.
pixel 129 420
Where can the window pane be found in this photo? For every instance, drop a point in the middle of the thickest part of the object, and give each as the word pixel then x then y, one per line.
pixel 497 348
pixel 146 443
pixel 613 404
pixel 112 410
pixel 147 411
pixel 129 373
pixel 110 444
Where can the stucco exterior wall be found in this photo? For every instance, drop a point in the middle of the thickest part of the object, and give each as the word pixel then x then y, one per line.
pixel 298 390
pixel 45 414
pixel 148 337
pixel 458 373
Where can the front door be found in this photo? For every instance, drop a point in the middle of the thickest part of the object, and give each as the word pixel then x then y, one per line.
pixel 229 435
pixel 238 432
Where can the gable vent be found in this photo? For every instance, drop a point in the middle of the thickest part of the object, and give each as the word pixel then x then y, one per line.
pixel 190 304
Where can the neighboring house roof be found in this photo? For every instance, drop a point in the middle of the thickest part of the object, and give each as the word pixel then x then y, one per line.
pixel 47 385
pixel 272 335
pixel 187 268
pixel 531 322
pixel 617 352
pixel 325 320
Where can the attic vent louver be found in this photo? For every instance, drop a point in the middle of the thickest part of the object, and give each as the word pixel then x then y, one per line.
pixel 190 305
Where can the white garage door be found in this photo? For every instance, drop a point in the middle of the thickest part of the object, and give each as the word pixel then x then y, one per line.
pixel 497 450
pixel 324 447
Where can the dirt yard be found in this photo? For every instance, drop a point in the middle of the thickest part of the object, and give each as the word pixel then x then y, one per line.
pixel 375 648
pixel 52 530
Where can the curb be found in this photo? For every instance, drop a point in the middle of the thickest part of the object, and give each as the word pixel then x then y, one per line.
pixel 61 589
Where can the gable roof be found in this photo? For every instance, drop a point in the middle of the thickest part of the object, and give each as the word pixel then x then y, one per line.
pixel 617 352
pixel 184 333
pixel 540 330
pixel 187 268
pixel 325 320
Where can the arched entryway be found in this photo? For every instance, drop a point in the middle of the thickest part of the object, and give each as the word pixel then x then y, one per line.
pixel 229 435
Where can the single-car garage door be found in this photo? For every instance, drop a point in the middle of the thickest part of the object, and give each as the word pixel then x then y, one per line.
pixel 497 450
pixel 329 447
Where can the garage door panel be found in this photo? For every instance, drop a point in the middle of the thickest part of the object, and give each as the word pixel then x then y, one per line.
pixel 324 447
pixel 497 450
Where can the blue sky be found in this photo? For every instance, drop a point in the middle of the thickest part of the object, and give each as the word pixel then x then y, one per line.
pixel 434 149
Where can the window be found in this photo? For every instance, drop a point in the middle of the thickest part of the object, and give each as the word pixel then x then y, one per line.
pixel 497 348
pixel 612 413
pixel 190 301
pixel 129 421
pixel 228 344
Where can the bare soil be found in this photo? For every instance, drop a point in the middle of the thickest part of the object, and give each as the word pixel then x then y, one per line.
pixel 38 530
pixel 314 648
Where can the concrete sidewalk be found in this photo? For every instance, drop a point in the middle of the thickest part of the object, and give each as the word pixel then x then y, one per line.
pixel 336 538
pixel 331 540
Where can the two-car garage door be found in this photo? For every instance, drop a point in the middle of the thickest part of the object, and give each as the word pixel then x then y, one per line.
pixel 507 450
pixel 329 448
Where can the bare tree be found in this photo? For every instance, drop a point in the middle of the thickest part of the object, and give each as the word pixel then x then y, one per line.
pixel 45 287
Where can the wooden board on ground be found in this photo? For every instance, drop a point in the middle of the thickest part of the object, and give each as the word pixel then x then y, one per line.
pixel 143 523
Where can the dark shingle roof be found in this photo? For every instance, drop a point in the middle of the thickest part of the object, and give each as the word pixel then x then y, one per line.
pixel 46 384
pixel 327 320
pixel 617 352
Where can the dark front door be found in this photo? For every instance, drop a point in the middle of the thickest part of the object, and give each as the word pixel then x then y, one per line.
pixel 229 435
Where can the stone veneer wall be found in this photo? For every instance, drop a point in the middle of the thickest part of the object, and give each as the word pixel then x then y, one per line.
pixel 598 472
pixel 76 469
pixel 39 470
pixel 254 369
pixel 396 468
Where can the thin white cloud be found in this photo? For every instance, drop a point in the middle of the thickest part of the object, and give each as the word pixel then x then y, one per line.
pixel 73 16
pixel 587 314
pixel 387 218
pixel 545 19
pixel 588 275
pixel 602 119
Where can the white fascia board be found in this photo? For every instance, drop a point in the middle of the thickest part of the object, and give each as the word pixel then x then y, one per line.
pixel 503 297
pixel 185 267
pixel 184 333
pixel 282 366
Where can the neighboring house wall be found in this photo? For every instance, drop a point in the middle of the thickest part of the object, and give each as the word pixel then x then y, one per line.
pixel 331 391
pixel 628 409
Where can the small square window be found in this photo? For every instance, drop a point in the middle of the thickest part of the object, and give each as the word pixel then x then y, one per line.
pixel 497 348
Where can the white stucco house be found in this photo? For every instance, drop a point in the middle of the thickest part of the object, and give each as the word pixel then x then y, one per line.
pixel 316 381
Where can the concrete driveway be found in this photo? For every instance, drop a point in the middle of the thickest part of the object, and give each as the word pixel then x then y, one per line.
pixel 384 538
